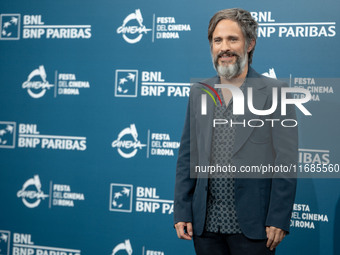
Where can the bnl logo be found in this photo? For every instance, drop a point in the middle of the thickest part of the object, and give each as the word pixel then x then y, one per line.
pixel 126 83
pixel 121 197
pixel 10 27
pixel 7 134
pixel 4 242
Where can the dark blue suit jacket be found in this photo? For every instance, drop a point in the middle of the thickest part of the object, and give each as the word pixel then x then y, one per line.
pixel 259 202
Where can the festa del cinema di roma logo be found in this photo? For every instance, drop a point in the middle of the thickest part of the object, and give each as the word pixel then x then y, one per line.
pixel 36 83
pixel 127 142
pixel 125 246
pixel 31 193
pixel 132 33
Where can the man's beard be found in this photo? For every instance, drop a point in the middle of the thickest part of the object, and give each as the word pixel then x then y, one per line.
pixel 230 71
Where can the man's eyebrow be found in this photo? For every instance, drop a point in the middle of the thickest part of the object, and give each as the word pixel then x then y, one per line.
pixel 228 37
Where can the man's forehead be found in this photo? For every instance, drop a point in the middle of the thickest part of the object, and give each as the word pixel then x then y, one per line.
pixel 229 26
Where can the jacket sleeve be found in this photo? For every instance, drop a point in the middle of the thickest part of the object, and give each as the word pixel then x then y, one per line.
pixel 184 185
pixel 283 188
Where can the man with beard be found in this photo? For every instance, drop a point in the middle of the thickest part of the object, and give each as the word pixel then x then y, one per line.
pixel 226 213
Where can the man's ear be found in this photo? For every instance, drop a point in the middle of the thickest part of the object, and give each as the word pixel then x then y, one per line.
pixel 251 45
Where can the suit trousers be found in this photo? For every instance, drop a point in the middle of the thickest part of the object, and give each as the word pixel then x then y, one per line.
pixel 229 244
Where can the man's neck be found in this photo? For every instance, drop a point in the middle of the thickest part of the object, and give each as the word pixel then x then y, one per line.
pixel 236 81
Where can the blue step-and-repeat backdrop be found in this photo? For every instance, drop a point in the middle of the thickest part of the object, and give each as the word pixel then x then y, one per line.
pixel 93 98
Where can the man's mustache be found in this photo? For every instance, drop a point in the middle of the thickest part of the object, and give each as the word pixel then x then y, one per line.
pixel 228 53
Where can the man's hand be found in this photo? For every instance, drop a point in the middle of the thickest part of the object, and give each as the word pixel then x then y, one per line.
pixel 275 236
pixel 180 230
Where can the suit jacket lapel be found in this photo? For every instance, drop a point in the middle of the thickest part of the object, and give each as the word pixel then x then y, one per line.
pixel 208 119
pixel 259 99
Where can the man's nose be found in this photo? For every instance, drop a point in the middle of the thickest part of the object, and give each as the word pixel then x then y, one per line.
pixel 225 46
